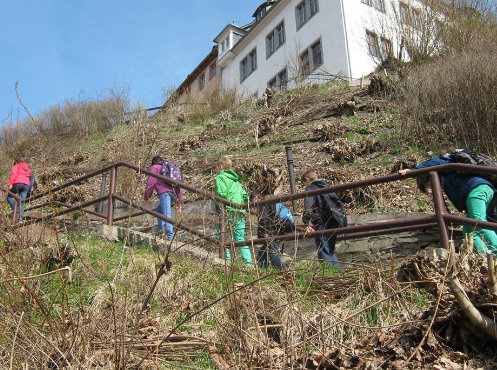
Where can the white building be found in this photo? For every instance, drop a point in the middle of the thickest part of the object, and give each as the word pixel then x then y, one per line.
pixel 291 42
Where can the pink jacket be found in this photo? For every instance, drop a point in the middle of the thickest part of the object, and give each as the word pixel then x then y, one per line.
pixel 20 174
pixel 159 186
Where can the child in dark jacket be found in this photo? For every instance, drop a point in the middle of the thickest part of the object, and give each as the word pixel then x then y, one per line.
pixel 468 193
pixel 315 211
pixel 274 219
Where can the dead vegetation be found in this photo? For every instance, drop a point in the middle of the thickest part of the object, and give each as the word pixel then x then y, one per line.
pixel 130 311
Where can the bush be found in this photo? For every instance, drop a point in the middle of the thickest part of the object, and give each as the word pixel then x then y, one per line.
pixel 210 105
pixel 455 98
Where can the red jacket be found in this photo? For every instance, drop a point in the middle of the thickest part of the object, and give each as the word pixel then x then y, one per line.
pixel 20 174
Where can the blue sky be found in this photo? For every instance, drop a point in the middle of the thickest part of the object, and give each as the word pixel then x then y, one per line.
pixel 62 50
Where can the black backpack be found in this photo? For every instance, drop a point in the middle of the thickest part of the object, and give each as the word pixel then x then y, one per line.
pixel 467 156
pixel 334 209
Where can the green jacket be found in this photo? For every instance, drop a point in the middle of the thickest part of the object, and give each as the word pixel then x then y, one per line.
pixel 227 186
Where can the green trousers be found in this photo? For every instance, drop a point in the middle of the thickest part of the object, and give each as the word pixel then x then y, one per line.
pixel 236 226
pixel 477 202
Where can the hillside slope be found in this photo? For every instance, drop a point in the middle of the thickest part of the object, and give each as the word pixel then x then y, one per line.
pixel 348 134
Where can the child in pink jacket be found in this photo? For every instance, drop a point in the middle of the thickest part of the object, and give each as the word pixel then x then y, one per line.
pixel 19 183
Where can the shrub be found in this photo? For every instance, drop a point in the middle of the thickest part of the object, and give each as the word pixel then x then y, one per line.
pixel 455 98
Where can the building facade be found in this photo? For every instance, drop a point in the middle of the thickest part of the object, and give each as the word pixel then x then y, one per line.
pixel 290 43
pixel 203 80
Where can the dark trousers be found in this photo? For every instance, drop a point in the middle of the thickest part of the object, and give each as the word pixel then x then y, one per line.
pixel 270 252
pixel 22 190
pixel 326 244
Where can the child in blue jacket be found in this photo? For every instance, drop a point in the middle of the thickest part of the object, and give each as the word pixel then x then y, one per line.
pixel 468 193
pixel 274 219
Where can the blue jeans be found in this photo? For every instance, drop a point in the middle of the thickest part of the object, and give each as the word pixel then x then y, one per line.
pixel 272 250
pixel 326 245
pixel 22 190
pixel 165 200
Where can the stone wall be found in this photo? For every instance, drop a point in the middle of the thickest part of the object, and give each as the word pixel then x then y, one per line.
pixel 365 249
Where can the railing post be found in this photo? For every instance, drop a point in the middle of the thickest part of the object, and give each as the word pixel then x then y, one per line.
pixel 439 204
pixel 102 191
pixel 293 187
pixel 112 188
pixel 222 231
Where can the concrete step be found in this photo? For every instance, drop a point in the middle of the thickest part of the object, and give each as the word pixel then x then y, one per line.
pixel 175 246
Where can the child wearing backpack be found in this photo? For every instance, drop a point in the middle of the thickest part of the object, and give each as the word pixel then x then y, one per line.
pixel 166 194
pixel 317 209
pixel 227 186
pixel 468 193
pixel 274 219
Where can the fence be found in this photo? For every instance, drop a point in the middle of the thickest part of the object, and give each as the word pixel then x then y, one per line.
pixel 439 219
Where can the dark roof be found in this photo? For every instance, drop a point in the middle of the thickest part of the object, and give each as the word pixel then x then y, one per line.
pixel 263 5
pixel 195 73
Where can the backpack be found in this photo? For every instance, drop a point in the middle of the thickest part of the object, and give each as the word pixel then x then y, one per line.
pixel 171 170
pixel 333 207
pixel 467 156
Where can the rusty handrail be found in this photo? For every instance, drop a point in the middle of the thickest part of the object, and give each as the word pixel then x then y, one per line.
pixel 440 218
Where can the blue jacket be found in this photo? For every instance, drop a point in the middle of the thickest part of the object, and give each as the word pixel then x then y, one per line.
pixel 456 186
pixel 274 220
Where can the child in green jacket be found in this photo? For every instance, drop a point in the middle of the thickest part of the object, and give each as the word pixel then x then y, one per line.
pixel 227 186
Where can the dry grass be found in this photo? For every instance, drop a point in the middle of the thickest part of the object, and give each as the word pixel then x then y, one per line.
pixel 458 107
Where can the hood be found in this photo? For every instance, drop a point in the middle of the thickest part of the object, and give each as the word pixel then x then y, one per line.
pixel 320 183
pixel 230 174
pixel 23 166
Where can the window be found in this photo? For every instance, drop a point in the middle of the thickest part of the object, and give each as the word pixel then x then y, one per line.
pixel 201 81
pixel 305 68
pixel 275 39
pixel 373 47
pixel 410 15
pixel 317 55
pixel 305 10
pixel 386 48
pixel 416 18
pixel 279 82
pixel 404 12
pixel 377 4
pixel 225 44
pixel 261 14
pixel 212 70
pixel 248 65
pixel 311 59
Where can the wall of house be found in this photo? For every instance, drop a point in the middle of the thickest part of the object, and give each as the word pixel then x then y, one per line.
pixel 326 25
pixel 359 18
pixel 340 24
pixel 194 93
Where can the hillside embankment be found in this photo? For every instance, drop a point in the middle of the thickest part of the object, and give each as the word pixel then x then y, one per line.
pixel 133 307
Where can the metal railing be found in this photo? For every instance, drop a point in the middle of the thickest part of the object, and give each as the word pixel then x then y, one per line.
pixel 440 219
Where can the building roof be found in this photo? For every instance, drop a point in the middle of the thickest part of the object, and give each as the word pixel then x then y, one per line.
pixel 263 5
pixel 212 56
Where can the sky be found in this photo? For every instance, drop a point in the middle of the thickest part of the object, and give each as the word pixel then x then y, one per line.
pixel 60 50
